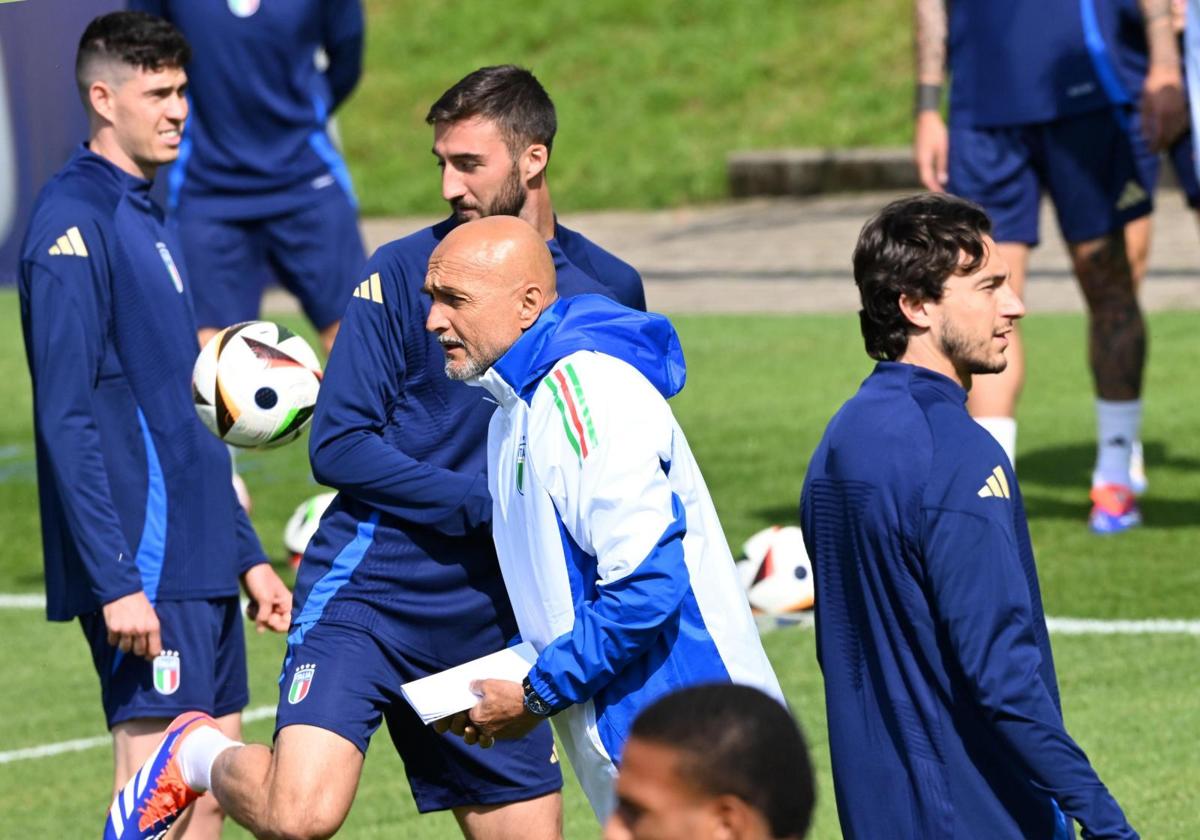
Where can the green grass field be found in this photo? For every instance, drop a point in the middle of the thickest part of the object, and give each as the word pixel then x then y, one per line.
pixel 650 96
pixel 760 390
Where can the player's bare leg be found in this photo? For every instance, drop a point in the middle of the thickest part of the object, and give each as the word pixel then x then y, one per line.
pixel 532 819
pixel 993 398
pixel 1138 234
pixel 303 789
pixel 1117 333
pixel 1117 352
pixel 135 740
pixel 205 333
pixel 328 335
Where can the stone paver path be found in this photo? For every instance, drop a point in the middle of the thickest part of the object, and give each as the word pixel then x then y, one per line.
pixel 793 255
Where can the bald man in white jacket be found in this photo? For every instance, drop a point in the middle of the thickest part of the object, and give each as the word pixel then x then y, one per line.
pixel 613 556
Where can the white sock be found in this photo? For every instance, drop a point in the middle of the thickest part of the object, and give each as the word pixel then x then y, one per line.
pixel 1137 466
pixel 232 457
pixel 198 751
pixel 1117 427
pixel 1004 430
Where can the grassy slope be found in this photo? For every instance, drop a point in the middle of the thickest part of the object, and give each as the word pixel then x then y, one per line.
pixel 760 391
pixel 650 96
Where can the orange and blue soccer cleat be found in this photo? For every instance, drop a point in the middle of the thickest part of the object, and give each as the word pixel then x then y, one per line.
pixel 156 795
pixel 1114 509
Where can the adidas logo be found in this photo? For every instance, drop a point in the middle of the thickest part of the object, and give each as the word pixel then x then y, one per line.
pixel 996 486
pixel 70 244
pixel 1131 195
pixel 369 289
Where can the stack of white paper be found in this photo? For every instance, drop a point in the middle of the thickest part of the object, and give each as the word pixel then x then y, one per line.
pixel 441 695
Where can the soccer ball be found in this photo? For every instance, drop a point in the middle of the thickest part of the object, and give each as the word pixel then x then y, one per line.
pixel 776 572
pixel 255 384
pixel 303 524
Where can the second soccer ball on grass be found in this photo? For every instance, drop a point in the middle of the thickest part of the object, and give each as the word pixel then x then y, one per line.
pixel 776 571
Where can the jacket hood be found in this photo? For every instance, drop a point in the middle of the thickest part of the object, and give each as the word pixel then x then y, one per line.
pixel 645 340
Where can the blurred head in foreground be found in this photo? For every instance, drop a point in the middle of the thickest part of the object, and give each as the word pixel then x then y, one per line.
pixel 713 761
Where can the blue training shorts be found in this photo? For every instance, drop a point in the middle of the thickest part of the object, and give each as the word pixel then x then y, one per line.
pixel 314 251
pixel 202 667
pixel 345 679
pixel 1086 163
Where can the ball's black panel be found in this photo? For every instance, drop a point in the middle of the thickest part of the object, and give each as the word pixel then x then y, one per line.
pixel 228 333
pixel 266 398
pixel 197 397
pixel 227 411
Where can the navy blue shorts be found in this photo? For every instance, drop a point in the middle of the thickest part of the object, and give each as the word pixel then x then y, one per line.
pixel 346 680
pixel 202 666
pixel 315 252
pixel 1182 157
pixel 1086 163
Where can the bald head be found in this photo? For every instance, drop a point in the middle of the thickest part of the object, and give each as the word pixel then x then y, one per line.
pixel 505 251
pixel 488 281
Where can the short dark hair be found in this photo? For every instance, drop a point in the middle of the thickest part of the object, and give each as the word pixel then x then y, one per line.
pixel 910 248
pixel 736 740
pixel 137 39
pixel 509 95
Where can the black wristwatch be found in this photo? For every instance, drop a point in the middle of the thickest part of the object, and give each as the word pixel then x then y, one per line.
pixel 533 703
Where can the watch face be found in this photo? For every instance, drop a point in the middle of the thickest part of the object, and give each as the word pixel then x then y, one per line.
pixel 533 703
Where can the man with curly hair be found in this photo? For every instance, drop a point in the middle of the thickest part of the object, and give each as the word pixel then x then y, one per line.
pixel 944 713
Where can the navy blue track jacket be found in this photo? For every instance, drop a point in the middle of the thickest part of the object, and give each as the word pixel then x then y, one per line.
pixel 256 143
pixel 135 493
pixel 405 549
pixel 944 714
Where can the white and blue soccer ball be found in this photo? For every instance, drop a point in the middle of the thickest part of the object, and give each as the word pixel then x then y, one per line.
pixel 255 384
pixel 776 572
pixel 302 524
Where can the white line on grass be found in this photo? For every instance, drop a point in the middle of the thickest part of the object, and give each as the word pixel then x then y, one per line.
pixel 30 601
pixel 80 744
pixel 9 601
pixel 1102 627
pixel 1062 626
pixel 1058 626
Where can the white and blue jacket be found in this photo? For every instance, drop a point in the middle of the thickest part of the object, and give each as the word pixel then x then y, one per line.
pixel 614 560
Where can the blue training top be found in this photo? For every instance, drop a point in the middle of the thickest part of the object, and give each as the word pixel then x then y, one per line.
pixel 134 492
pixel 1030 61
pixel 255 143
pixel 944 714
pixel 405 549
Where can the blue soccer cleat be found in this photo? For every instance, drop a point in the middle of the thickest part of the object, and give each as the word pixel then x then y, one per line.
pixel 156 795
pixel 1114 509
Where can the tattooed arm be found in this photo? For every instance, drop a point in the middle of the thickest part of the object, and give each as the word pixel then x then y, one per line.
pixel 1164 111
pixel 930 142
